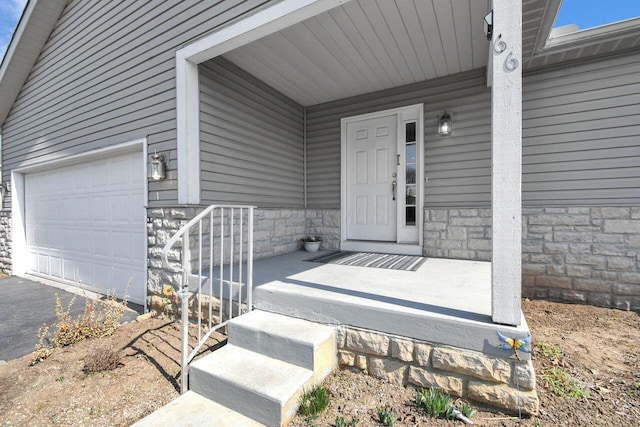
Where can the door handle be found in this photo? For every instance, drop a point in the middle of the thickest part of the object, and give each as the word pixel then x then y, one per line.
pixel 394 184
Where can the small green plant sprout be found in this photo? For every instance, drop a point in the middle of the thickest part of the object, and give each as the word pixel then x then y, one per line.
pixel 564 385
pixel 341 422
pixel 435 403
pixel 515 344
pixel 549 351
pixel 386 417
pixel 466 409
pixel 438 404
pixel 60 379
pixel 313 402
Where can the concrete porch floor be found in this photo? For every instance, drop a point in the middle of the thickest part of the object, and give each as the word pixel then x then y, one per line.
pixel 445 301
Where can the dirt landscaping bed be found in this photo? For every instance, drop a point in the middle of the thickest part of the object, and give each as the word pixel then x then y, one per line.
pixel 596 347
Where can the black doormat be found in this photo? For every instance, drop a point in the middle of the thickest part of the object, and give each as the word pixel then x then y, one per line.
pixel 375 260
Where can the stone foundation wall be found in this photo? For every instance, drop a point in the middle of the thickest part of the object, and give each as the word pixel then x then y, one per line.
pixel 579 254
pixel 276 232
pixel 326 224
pixel 584 255
pixel 458 233
pixel 197 306
pixel 5 242
pixel 495 381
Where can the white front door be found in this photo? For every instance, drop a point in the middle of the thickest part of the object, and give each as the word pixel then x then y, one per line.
pixel 371 179
pixel 382 184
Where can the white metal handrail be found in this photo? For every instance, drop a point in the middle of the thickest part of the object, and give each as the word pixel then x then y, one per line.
pixel 211 228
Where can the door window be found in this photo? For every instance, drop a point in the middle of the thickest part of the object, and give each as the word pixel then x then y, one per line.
pixel 410 173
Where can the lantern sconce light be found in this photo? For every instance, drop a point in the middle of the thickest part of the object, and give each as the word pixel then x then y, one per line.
pixel 445 124
pixel 488 25
pixel 5 188
pixel 157 167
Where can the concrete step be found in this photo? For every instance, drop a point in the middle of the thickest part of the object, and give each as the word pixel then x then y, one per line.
pixel 192 409
pixel 299 342
pixel 260 387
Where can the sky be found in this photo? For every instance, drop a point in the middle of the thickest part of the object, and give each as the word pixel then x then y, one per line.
pixel 10 11
pixel 592 13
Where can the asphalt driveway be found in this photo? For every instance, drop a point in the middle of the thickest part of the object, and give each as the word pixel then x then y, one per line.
pixel 25 305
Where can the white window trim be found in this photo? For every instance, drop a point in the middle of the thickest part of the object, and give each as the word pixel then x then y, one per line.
pixel 281 15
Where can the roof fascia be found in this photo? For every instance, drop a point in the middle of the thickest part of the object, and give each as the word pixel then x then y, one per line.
pixel 545 44
pixel 549 16
pixel 614 30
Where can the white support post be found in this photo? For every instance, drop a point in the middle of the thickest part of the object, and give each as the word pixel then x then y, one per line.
pixel 506 161
pixel 188 128
pixel 19 254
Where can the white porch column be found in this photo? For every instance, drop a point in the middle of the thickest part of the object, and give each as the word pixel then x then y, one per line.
pixel 506 161
pixel 188 130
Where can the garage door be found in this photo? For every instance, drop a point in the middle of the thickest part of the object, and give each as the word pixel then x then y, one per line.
pixel 85 224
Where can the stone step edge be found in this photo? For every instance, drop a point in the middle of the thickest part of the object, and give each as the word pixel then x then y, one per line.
pixel 193 409
pixel 290 339
pixel 258 320
pixel 234 371
pixel 257 386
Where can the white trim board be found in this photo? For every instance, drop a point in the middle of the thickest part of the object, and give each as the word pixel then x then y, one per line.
pixel 123 148
pixel 383 247
pixel 414 112
pixel 281 15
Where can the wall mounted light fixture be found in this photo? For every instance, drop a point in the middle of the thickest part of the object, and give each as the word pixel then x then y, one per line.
pixel 445 124
pixel 157 167
pixel 488 25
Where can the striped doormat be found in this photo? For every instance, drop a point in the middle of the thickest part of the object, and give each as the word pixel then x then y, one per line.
pixel 367 259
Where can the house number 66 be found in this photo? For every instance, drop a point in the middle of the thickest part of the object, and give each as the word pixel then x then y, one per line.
pixel 499 46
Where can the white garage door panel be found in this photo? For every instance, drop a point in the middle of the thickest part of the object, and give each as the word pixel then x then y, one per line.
pixel 85 224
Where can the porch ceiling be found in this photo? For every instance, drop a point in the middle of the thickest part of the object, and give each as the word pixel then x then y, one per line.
pixel 369 45
pixel 364 46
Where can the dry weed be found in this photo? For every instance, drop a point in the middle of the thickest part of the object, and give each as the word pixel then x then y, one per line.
pixel 99 319
pixel 102 359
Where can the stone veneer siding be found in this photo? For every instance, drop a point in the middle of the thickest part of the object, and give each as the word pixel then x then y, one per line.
pixel 578 254
pixel 5 242
pixel 458 233
pixel 324 223
pixel 501 382
pixel 276 232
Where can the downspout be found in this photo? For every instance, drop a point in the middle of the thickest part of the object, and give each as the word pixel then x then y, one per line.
pixel 304 153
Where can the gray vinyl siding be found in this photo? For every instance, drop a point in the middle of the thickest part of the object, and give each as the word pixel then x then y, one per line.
pixel 458 166
pixel 251 140
pixel 107 76
pixel 581 133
